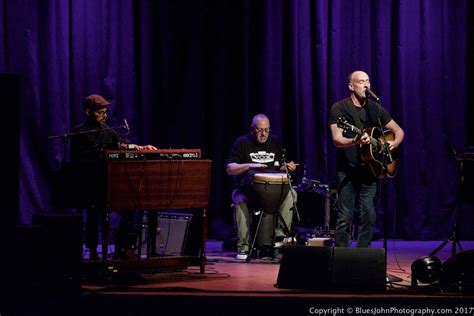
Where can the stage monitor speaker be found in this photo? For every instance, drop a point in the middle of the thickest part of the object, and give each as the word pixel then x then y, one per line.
pixel 10 88
pixel 28 260
pixel 360 269
pixel 49 254
pixel 171 234
pixel 64 250
pixel 333 269
pixel 457 273
pixel 304 267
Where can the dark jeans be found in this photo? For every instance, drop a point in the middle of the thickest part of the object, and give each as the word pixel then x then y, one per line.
pixel 357 189
pixel 92 228
pixel 125 235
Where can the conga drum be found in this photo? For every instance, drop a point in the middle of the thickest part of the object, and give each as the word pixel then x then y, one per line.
pixel 269 190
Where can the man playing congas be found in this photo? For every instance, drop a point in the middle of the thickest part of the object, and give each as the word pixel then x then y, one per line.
pixel 257 157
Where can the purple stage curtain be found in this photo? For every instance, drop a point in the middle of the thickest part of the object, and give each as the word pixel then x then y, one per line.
pixel 193 73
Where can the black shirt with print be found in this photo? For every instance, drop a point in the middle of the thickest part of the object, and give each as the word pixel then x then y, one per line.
pixel 247 150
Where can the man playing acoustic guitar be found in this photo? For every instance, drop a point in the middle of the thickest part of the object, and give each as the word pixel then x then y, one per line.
pixel 364 154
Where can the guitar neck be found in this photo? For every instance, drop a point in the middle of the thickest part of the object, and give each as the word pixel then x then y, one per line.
pixel 360 132
pixel 356 130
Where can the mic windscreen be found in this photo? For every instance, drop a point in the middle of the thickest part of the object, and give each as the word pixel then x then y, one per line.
pixel 369 92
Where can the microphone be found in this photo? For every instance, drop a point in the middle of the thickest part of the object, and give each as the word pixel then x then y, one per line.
pixel 126 125
pixel 371 93
pixel 283 153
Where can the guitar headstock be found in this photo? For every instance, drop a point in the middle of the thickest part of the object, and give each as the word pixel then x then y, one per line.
pixel 344 124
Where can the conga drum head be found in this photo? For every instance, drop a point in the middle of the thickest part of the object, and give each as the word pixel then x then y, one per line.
pixel 270 178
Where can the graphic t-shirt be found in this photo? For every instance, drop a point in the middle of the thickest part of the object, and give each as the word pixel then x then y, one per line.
pixel 246 150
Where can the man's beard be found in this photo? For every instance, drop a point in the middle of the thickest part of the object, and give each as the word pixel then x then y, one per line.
pixel 262 139
pixel 102 123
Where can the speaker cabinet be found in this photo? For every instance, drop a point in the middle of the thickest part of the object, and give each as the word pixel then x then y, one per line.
pixel 28 259
pixel 171 233
pixel 457 273
pixel 48 254
pixel 333 269
pixel 304 267
pixel 318 213
pixel 360 269
pixel 10 95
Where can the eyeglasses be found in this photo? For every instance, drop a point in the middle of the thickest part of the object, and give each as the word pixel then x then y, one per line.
pixel 100 112
pixel 262 130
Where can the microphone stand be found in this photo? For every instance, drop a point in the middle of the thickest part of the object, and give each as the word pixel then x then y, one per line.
pixel 453 239
pixel 386 155
pixel 295 207
pixel 65 137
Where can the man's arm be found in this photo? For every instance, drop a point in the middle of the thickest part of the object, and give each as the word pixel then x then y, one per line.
pixel 143 147
pixel 234 168
pixel 136 147
pixel 399 134
pixel 291 166
pixel 342 142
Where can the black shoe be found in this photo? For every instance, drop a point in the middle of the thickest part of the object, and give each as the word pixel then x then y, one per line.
pixel 124 254
pixel 266 253
pixel 93 255
pixel 118 255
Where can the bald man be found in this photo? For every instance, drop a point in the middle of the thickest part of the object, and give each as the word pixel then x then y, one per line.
pixel 357 180
pixel 257 151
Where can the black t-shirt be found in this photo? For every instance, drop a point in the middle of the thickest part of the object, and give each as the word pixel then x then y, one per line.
pixel 88 147
pixel 85 174
pixel 246 150
pixel 360 117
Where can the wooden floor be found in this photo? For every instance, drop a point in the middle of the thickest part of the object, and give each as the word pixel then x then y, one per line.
pixel 226 275
pixel 232 287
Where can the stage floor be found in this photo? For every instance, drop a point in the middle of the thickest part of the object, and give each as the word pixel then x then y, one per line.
pixel 224 275
pixel 232 287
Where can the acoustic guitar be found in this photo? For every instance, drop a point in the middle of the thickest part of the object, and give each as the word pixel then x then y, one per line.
pixel 376 154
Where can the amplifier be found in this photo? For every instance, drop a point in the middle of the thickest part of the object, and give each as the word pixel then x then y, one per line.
pixel 160 154
pixel 317 210
pixel 171 233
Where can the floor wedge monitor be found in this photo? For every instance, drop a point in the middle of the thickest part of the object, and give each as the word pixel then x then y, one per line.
pixel 333 269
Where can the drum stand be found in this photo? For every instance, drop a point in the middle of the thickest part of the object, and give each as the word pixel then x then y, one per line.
pixel 295 207
pixel 288 232
pixel 280 217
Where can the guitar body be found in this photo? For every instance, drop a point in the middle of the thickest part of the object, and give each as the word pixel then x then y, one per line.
pixel 383 163
pixel 374 155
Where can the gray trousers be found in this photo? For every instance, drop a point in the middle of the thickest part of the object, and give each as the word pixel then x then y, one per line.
pixel 271 225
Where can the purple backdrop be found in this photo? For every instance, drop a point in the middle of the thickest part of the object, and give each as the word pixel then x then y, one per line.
pixel 193 73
